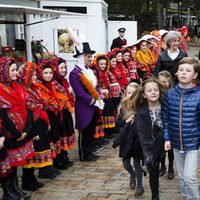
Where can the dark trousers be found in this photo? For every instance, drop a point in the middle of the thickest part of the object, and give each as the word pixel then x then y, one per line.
pixel 170 157
pixel 86 136
pixel 154 181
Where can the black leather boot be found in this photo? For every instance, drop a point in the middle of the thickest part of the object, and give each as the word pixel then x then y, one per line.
pixel 18 191
pixel 8 191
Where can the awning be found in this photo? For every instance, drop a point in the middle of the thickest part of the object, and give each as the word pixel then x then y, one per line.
pixel 13 14
pixel 14 9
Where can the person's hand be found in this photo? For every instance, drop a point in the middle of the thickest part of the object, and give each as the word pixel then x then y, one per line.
pixel 130 119
pixel 49 127
pixel 167 145
pixel 22 137
pixel 100 104
pixel 37 137
pixel 2 139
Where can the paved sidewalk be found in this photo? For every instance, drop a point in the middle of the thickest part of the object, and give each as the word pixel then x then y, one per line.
pixel 104 179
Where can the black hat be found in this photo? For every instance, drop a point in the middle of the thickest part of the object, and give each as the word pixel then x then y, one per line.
pixel 86 49
pixel 121 30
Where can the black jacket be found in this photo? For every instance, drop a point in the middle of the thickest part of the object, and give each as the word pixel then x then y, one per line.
pixel 164 62
pixel 117 43
pixel 129 142
pixel 151 138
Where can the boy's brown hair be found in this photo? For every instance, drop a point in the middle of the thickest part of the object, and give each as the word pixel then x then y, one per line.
pixel 191 61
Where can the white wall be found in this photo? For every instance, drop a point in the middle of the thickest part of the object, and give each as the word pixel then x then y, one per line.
pixel 93 26
pixel 130 34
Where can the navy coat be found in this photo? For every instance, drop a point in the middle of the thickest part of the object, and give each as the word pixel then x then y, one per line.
pixel 181 118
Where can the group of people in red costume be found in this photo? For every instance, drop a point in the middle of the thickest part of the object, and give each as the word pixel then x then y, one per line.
pixel 36 123
pixel 37 102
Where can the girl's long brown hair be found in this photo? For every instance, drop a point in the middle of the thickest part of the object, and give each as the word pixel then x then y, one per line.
pixel 139 100
pixel 128 103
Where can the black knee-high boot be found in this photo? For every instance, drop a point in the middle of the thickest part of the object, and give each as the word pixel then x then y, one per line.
pixel 29 181
pixel 12 184
pixel 8 191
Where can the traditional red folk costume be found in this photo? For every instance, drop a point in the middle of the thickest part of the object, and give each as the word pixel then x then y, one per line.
pixel 184 38
pixel 50 102
pixel 13 101
pixel 41 122
pixel 119 72
pixel 66 102
pixel 103 77
pixel 131 67
pixel 17 122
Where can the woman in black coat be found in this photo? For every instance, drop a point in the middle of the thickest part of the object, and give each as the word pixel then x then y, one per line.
pixel 170 57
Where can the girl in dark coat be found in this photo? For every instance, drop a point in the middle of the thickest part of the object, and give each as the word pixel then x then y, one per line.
pixel 128 139
pixel 149 129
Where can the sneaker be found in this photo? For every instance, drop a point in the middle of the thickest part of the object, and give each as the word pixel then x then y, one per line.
pixel 90 157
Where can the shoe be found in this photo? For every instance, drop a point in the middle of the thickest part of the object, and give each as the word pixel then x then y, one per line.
pixel 61 165
pixel 162 171
pixel 170 174
pixel 29 185
pixel 90 157
pixel 139 193
pixel 132 183
pixel 53 170
pixel 155 198
pixel 39 184
pixel 46 174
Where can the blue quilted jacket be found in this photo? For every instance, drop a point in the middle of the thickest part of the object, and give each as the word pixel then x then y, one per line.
pixel 181 118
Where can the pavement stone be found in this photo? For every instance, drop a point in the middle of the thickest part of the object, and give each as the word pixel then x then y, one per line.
pixel 104 179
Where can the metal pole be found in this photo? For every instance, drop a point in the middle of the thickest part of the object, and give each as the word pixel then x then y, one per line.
pixel 28 39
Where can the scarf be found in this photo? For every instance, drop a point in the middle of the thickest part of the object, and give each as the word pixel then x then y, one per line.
pixel 48 99
pixel 34 103
pixel 61 96
pixel 13 99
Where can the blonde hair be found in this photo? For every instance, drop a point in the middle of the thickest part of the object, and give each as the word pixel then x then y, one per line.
pixel 126 104
pixel 167 75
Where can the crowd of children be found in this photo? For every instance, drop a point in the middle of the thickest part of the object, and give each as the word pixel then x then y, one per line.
pixel 121 91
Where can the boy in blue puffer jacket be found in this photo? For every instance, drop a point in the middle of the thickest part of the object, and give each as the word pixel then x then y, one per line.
pixel 181 126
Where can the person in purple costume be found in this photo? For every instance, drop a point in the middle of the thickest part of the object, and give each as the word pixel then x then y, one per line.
pixel 86 107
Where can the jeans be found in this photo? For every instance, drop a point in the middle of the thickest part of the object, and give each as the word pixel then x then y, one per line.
pixel 187 165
